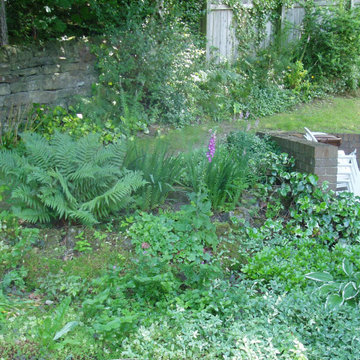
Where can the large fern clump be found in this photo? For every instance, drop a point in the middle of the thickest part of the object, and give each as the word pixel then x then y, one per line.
pixel 66 179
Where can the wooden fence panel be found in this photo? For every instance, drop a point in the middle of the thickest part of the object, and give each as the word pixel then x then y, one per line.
pixel 220 33
pixel 292 20
pixel 221 39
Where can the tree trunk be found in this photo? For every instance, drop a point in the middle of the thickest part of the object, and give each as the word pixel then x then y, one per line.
pixel 4 30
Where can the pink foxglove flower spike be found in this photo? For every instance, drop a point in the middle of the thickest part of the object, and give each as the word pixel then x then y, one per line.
pixel 211 147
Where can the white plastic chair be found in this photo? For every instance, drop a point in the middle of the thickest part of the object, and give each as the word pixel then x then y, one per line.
pixel 348 174
pixel 309 135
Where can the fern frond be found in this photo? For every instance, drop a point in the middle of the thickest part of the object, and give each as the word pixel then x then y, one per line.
pixel 28 196
pixel 58 203
pixel 64 186
pixel 9 163
pixel 118 150
pixel 87 148
pixel 32 215
pixel 114 196
pixel 38 150
pixel 83 216
pixel 38 175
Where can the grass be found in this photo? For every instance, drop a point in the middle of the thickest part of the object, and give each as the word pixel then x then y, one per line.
pixel 334 115
pixel 338 115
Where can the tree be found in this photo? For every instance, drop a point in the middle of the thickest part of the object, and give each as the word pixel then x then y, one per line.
pixel 4 30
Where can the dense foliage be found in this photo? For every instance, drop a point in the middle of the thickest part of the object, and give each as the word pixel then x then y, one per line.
pixel 62 179
pixel 331 46
pixel 52 19
pixel 191 287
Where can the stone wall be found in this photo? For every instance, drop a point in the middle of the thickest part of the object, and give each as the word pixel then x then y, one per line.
pixel 310 157
pixel 46 75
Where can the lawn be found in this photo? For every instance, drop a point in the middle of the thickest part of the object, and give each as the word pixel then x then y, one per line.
pixel 333 115
pixel 338 115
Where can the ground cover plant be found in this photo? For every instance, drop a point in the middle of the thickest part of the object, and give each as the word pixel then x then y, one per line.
pixel 188 282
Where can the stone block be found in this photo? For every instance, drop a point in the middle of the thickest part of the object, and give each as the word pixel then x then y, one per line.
pixel 19 98
pixel 5 89
pixel 42 97
pixel 18 86
pixel 28 71
pixel 5 69
pixel 50 69
pixel 58 81
pixel 70 66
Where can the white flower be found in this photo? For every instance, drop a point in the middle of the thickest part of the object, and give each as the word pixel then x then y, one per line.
pixel 80 116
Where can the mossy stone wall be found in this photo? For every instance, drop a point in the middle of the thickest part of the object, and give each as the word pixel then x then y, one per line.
pixel 51 74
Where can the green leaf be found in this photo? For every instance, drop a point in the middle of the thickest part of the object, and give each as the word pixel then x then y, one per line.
pixel 326 288
pixel 350 291
pixel 319 276
pixel 347 267
pixel 333 302
pixel 312 179
pixel 68 327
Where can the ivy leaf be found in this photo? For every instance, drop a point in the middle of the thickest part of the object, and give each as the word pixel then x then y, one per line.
pixel 313 179
pixel 319 276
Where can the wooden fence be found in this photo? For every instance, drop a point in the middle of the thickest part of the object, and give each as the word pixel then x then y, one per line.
pixel 221 25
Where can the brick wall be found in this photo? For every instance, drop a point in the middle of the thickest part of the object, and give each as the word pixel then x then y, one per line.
pixel 46 75
pixel 310 157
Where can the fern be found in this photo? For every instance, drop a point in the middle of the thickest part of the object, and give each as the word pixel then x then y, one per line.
pixel 66 179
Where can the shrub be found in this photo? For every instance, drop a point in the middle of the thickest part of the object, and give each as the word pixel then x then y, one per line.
pixel 144 75
pixel 230 171
pixel 331 45
pixel 15 243
pixel 66 179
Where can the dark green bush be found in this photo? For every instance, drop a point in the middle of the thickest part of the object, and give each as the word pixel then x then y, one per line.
pixel 331 46
pixel 252 150
pixel 145 75
pixel 185 236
